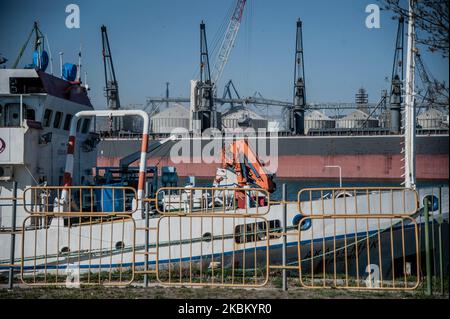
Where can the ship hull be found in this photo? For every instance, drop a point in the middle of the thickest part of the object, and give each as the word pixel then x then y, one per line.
pixel 361 157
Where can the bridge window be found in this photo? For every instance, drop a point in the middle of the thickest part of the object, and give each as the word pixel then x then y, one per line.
pixel 47 117
pixel 67 121
pixel 252 232
pixel 11 115
pixel 30 114
pixel 57 120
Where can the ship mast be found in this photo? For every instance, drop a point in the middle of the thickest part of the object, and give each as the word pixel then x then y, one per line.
pixel 410 112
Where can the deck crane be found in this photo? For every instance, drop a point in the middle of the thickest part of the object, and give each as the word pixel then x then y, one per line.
pixel 204 113
pixel 397 80
pixel 40 56
pixel 240 158
pixel 111 86
pixel 297 111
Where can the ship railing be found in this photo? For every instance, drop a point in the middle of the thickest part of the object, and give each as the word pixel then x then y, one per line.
pixel 357 200
pixel 215 200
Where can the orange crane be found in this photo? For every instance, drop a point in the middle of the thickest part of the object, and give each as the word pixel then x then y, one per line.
pixel 247 166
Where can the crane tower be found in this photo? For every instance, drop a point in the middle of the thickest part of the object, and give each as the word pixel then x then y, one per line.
pixel 297 111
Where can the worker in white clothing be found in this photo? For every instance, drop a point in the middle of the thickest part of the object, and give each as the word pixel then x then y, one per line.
pixel 186 196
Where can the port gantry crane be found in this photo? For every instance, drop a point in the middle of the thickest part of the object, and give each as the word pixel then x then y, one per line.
pixel 297 111
pixel 111 85
pixel 395 101
pixel 203 110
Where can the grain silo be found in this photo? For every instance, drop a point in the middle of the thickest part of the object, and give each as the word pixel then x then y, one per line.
pixel 431 118
pixel 318 120
pixel 275 126
pixel 357 119
pixel 241 117
pixel 174 117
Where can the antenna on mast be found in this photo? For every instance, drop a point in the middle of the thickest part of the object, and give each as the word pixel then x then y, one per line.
pixel 79 64
pixel 61 63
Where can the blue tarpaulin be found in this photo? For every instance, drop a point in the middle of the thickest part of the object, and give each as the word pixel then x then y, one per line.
pixel 110 199
pixel 69 72
pixel 40 58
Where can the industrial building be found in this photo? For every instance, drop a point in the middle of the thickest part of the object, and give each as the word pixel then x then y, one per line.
pixel 356 119
pixel 431 119
pixel 174 117
pixel 241 117
pixel 318 120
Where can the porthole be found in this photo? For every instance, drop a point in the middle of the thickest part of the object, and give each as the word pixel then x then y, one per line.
pixel 306 224
pixel 65 250
pixel 207 237
pixel 433 202
pixel 120 245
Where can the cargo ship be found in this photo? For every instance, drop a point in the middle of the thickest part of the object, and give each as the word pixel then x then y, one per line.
pixel 363 157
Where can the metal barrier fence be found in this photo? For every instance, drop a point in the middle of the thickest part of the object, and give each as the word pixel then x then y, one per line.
pixel 365 252
pixel 74 250
pixel 221 237
pixel 213 250
pixel 80 199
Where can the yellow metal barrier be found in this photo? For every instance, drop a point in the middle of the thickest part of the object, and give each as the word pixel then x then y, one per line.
pixel 220 237
pixel 357 200
pixel 213 250
pixel 217 200
pixel 83 249
pixel 371 252
pixel 80 200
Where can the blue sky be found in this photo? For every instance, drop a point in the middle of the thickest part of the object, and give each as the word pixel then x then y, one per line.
pixel 157 41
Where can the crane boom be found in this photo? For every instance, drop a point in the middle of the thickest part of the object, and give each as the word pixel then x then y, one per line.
pixel 228 41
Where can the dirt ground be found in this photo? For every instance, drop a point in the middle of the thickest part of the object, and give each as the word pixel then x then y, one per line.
pixel 158 292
